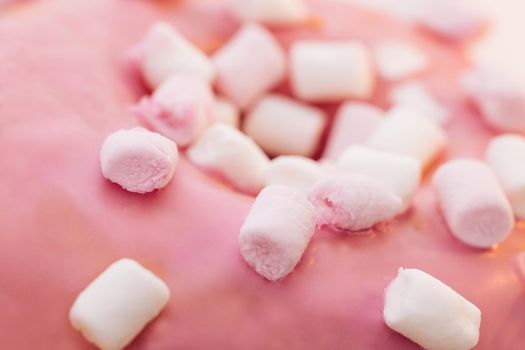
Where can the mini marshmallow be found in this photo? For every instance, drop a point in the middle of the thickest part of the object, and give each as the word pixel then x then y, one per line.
pixel 180 108
pixel 506 156
pixel 415 95
pixel 353 124
pixel 277 12
pixel 352 202
pixel 138 160
pixel 277 230
pixel 500 99
pixel 399 173
pixel 226 112
pixel 396 59
pixel 430 313
pixel 405 131
pixel 331 71
pixel 165 52
pixel 251 63
pixel 473 203
pixel 118 304
pixel 281 125
pixel 293 171
pixel 227 152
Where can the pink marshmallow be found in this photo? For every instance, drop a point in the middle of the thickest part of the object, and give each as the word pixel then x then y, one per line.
pixel 353 124
pixel 179 109
pixel 473 203
pixel 273 12
pixel 500 100
pixel 250 64
pixel 138 160
pixel 353 202
pixel 277 230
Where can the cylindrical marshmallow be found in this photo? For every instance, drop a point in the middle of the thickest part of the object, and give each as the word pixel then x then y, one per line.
pixel 353 124
pixel 227 152
pixel 506 156
pixel 138 160
pixel 415 95
pixel 293 171
pixel 400 174
pixel 277 230
pixel 430 313
pixel 331 71
pixel 165 52
pixel 250 64
pixel 226 112
pixel 273 12
pixel 473 203
pixel 406 131
pixel 180 108
pixel 500 99
pixel 396 59
pixel 118 304
pixel 281 125
pixel 352 202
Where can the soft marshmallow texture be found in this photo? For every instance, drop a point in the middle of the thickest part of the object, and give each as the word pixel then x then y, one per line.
pixel 430 313
pixel 406 131
pixel 505 155
pixel 281 125
pixel 473 202
pixel 278 12
pixel 352 202
pixel 331 71
pixel 138 160
pixel 165 52
pixel 277 230
pixel 353 124
pixel 226 112
pixel 293 171
pixel 399 173
pixel 251 63
pixel 396 59
pixel 227 152
pixel 180 108
pixel 118 304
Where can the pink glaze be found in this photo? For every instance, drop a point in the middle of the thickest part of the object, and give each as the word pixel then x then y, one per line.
pixel 62 223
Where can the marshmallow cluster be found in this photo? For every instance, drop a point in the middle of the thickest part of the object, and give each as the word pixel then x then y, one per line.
pixel 225 151
pixel 138 160
pixel 397 59
pixel 118 304
pixel 430 313
pixel 415 95
pixel 277 230
pixel 473 203
pixel 505 155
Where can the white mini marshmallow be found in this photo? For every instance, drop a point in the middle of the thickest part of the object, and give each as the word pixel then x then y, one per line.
pixel 278 12
pixel 415 95
pixel 281 125
pixel 277 230
pixel 399 173
pixel 353 124
pixel 331 71
pixel 165 52
pixel 506 156
pixel 226 112
pixel 118 304
pixel 251 63
pixel 396 59
pixel 500 99
pixel 180 108
pixel 352 202
pixel 293 171
pixel 227 152
pixel 138 160
pixel 405 131
pixel 430 313
pixel 473 203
